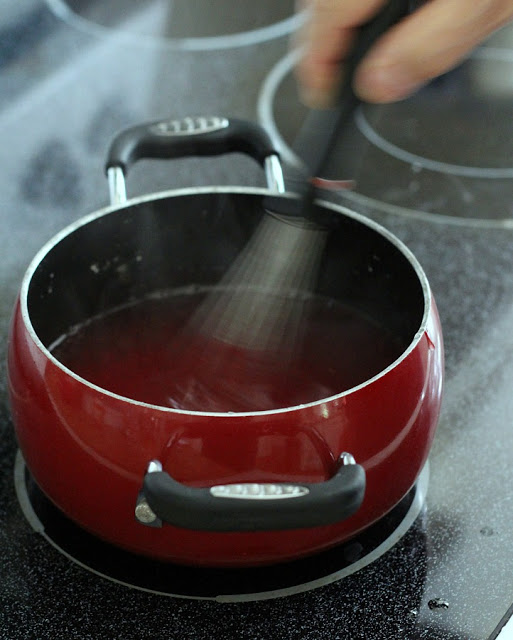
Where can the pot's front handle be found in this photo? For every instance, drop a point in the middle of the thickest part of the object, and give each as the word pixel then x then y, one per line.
pixel 191 136
pixel 251 507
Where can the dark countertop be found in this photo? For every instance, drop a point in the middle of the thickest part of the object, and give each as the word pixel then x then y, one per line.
pixel 67 85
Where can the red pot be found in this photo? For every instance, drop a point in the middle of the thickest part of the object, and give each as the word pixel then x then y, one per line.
pixel 207 488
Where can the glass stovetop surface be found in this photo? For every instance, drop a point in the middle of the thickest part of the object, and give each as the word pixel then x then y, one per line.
pixel 71 76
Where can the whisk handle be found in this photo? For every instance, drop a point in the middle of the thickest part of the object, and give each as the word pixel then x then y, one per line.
pixel 323 128
pixel 251 507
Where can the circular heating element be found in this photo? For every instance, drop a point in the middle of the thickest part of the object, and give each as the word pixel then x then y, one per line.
pixel 183 24
pixel 222 585
pixel 446 150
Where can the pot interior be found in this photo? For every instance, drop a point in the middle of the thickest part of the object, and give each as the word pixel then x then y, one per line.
pixel 188 240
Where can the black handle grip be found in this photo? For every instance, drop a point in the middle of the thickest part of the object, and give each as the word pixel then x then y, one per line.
pixel 256 507
pixel 192 136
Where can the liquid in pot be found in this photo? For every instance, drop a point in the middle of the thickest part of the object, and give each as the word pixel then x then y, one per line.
pixel 148 351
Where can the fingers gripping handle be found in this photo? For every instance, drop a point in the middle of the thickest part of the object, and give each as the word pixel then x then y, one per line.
pixel 323 128
pixel 252 507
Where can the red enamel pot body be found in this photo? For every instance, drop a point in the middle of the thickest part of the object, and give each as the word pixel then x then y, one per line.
pixel 248 488
pixel 88 449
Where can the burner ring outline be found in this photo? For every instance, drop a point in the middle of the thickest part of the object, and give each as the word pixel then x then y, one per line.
pixel 208 43
pixel 285 65
pixel 421 162
pixel 414 510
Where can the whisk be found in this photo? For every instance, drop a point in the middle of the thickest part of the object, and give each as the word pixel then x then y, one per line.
pixel 252 321
pixel 262 300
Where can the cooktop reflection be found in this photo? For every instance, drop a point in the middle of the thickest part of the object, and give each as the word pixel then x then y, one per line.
pixel 199 24
pixel 226 585
pixel 445 150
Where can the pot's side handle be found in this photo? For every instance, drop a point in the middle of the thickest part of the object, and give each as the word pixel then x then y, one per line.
pixel 191 136
pixel 251 507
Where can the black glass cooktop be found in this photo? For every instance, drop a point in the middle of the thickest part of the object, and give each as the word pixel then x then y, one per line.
pixel 444 151
pixel 435 170
pixel 203 23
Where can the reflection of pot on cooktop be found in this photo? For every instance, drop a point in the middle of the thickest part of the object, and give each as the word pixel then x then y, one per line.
pixel 445 150
pixel 182 19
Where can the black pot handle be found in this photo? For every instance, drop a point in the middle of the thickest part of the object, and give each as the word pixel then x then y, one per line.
pixel 251 507
pixel 191 136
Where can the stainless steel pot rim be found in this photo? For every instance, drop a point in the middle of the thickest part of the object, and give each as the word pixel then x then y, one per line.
pixel 175 193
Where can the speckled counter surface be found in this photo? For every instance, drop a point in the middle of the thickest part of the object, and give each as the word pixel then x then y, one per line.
pixel 66 88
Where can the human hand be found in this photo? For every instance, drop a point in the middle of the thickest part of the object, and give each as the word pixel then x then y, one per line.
pixel 425 44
